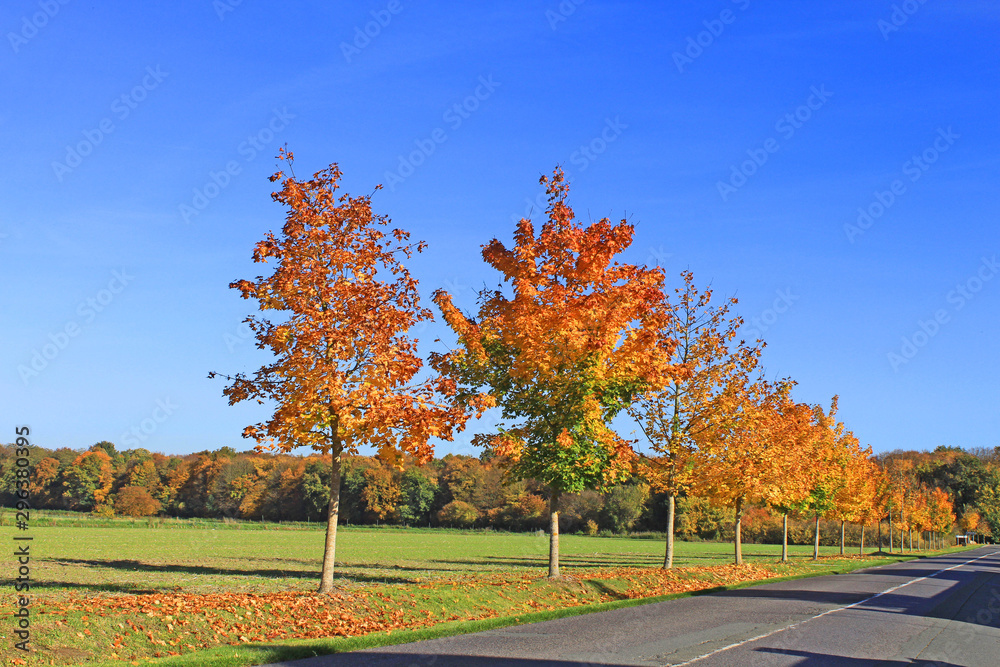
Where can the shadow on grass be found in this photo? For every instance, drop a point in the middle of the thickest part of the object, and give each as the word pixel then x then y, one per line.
pixel 589 560
pixel 601 587
pixel 140 566
pixel 130 589
pixel 364 573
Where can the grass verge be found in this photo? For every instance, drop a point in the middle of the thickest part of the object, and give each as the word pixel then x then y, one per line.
pixel 483 609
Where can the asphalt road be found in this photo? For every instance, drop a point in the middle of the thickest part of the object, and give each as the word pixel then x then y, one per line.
pixel 941 611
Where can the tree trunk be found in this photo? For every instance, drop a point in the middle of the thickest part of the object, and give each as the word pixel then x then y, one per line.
pixel 842 522
pixel 554 534
pixel 784 537
pixel 816 540
pixel 891 536
pixel 668 559
pixel 330 548
pixel 861 551
pixel 880 534
pixel 910 534
pixel 737 537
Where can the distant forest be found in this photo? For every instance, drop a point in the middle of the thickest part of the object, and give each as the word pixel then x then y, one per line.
pixel 453 491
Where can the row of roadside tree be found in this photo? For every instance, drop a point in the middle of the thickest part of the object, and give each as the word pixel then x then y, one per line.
pixel 570 339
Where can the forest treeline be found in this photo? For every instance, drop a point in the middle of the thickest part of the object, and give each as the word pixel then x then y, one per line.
pixel 453 491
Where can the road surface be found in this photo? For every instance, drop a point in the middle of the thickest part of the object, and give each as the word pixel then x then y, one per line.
pixel 942 611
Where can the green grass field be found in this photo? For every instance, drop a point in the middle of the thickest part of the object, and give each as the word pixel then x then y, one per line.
pixel 115 590
pixel 144 560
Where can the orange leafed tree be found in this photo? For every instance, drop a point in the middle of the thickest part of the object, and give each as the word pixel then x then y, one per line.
pixel 381 492
pixel 854 493
pixel 675 412
pixel 344 369
pixel 941 513
pixel 793 438
pixel 739 457
pixel 825 472
pixel 864 485
pixel 579 337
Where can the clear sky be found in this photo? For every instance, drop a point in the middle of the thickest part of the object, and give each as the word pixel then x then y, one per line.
pixel 832 164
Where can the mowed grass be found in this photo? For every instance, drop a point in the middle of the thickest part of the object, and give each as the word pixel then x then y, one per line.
pixel 232 595
pixel 146 560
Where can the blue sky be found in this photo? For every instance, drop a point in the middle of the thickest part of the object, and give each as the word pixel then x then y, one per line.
pixel 745 140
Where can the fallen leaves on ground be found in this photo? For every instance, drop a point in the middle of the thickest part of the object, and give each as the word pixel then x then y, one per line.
pixel 172 623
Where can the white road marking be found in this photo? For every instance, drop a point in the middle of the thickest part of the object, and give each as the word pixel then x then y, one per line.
pixel 830 611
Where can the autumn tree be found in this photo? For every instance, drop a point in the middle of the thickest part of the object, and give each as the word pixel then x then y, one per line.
pixel 942 513
pixel 989 507
pixel 894 493
pixel 196 483
pixel 458 514
pixel 854 488
pixel 381 492
pixel 142 472
pixel 826 470
pixel 682 405
pixel 793 439
pixel 88 481
pixel 969 521
pixel 738 460
pixel 43 483
pixel 864 485
pixel 579 337
pixel 136 501
pixel 344 373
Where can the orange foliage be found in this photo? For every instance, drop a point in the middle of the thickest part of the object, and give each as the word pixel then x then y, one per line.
pixel 344 363
pixel 581 335
pixel 344 369
pixel 136 501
